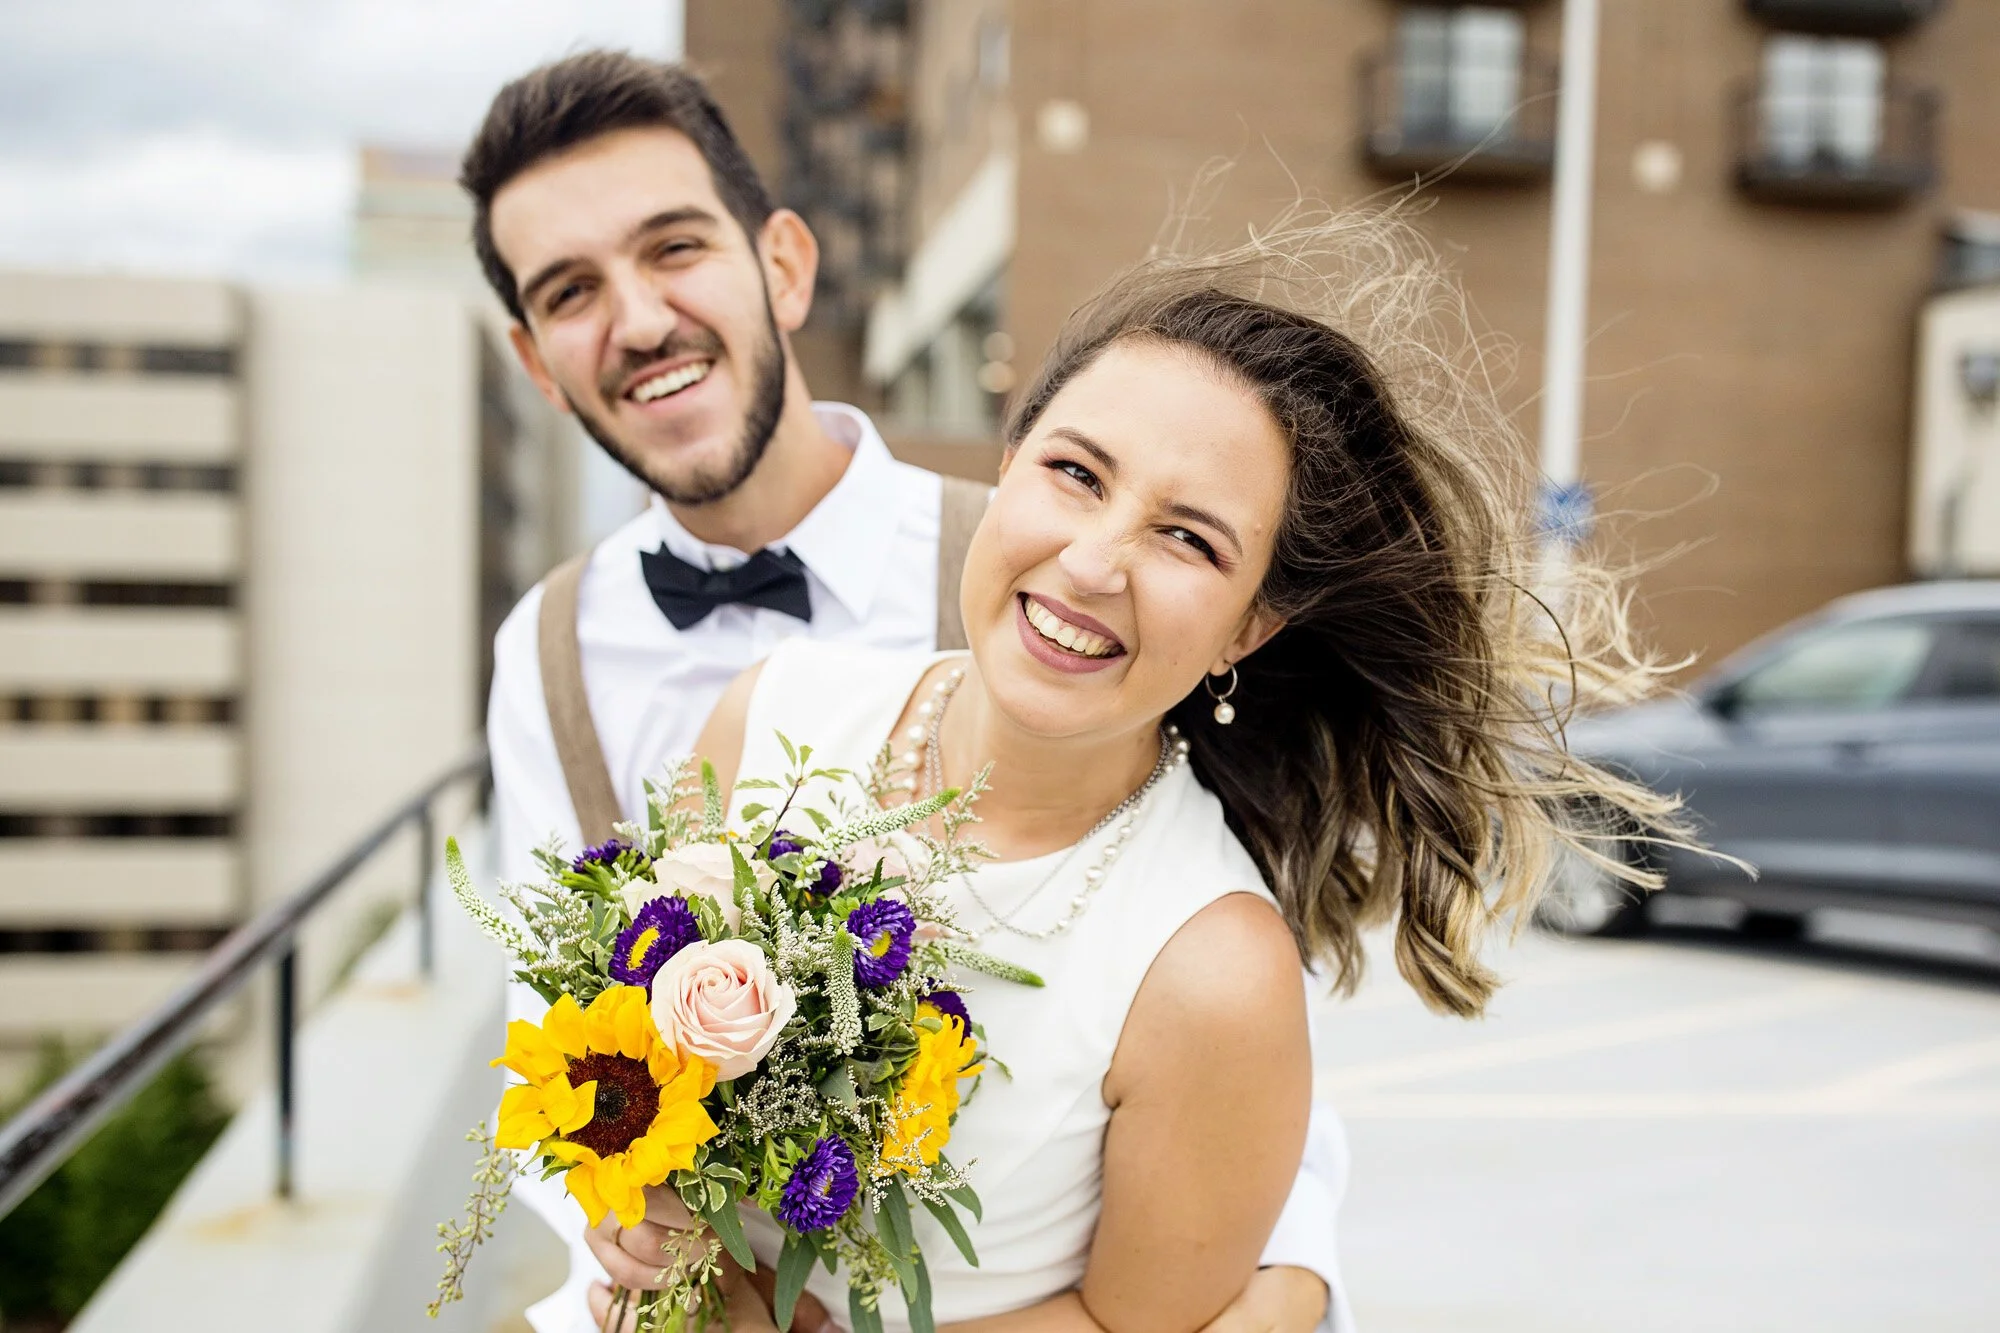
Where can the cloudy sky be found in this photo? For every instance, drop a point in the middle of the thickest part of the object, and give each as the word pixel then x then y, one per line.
pixel 218 136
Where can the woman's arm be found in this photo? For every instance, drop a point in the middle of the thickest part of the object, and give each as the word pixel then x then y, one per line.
pixel 1210 1090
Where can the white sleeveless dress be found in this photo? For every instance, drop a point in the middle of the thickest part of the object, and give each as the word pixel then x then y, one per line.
pixel 1033 1147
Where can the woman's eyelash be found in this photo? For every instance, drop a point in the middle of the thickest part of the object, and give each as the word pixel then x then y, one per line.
pixel 1198 543
pixel 1076 471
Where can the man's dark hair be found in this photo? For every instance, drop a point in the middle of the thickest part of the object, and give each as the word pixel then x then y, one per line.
pixel 579 98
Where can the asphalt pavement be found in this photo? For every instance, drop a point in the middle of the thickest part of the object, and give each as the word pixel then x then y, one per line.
pixel 1685 1132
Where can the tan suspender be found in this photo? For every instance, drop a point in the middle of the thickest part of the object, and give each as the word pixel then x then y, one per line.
pixel 963 502
pixel 577 746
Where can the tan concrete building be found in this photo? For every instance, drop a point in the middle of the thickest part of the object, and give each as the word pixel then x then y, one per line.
pixel 1771 176
pixel 252 545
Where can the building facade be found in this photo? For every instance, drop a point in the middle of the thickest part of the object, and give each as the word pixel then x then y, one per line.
pixel 252 545
pixel 1771 177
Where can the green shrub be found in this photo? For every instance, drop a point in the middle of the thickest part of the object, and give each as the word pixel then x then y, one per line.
pixel 63 1240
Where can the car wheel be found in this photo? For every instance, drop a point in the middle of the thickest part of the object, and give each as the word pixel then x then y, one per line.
pixel 1771 926
pixel 1584 898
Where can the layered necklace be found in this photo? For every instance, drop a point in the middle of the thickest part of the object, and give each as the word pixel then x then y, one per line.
pixel 1122 820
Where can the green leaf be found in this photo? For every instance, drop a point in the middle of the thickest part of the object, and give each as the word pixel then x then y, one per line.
pixel 813 814
pixel 892 1224
pixel 746 878
pixel 711 798
pixel 728 1227
pixel 838 1086
pixel 920 1301
pixel 754 809
pixel 795 1261
pixel 861 1318
pixel 791 751
pixel 966 1199
pixel 954 1228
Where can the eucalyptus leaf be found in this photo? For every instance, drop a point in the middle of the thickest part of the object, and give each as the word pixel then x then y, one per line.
pixel 920 1301
pixel 954 1228
pixel 795 1261
pixel 862 1318
pixel 728 1227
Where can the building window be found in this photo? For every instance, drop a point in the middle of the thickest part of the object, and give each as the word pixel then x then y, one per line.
pixel 1461 70
pixel 1822 100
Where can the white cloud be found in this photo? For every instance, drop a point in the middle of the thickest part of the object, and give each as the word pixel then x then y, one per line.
pixel 217 136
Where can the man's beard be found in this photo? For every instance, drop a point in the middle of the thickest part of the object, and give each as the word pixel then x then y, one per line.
pixel 760 418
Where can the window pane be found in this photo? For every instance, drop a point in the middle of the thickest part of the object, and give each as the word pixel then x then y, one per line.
pixel 1424 52
pixel 1970 662
pixel 1822 97
pixel 1851 666
pixel 1486 70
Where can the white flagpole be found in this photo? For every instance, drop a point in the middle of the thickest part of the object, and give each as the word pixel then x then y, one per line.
pixel 1569 257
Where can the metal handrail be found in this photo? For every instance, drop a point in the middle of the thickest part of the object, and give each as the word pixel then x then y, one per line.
pixel 39 1139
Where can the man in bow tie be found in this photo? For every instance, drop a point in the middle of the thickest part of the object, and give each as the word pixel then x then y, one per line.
pixel 654 287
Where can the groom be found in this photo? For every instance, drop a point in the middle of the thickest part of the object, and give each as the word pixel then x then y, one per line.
pixel 654 288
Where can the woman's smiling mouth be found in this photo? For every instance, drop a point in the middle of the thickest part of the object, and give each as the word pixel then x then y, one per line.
pixel 1059 631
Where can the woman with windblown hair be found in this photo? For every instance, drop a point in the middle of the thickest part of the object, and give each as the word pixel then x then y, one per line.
pixel 1255 666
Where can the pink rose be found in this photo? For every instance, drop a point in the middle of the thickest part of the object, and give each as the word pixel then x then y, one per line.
pixel 722 1002
pixel 700 868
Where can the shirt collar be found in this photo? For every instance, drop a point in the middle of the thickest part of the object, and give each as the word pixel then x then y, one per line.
pixel 846 539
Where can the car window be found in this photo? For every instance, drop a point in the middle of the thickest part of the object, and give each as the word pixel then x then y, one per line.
pixel 1843 666
pixel 1968 662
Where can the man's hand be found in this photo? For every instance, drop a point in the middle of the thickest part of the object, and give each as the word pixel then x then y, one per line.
pixel 639 1258
pixel 1278 1300
pixel 746 1309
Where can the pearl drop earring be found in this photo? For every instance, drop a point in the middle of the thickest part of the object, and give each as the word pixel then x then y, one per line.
pixel 1225 712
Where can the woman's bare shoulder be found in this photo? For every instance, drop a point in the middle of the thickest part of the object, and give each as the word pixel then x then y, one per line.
pixel 1229 980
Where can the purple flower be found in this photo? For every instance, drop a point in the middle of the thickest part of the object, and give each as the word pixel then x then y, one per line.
pixel 604 854
pixel 882 929
pixel 662 929
pixel 950 1002
pixel 830 874
pixel 820 1188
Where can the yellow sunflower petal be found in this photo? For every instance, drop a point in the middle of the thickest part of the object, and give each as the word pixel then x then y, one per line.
pixel 564 1150
pixel 564 1026
pixel 570 1108
pixel 613 1179
pixel 530 1053
pixel 581 1181
pixel 634 1022
pixel 600 1030
pixel 523 1123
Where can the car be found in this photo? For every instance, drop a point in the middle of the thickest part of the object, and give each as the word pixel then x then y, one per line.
pixel 1851 758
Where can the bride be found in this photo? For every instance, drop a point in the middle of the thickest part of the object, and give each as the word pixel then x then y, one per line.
pixel 1254 668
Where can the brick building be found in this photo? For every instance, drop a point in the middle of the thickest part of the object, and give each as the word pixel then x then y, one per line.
pixel 1772 177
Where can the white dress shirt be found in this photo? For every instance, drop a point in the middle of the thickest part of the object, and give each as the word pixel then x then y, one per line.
pixel 870 552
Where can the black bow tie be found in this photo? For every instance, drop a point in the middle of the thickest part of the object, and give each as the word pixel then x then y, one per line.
pixel 687 593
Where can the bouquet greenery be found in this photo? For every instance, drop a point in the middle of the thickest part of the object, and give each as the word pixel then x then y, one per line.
pixel 762 1016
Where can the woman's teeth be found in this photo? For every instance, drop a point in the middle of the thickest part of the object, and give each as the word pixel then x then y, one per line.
pixel 1065 635
pixel 673 381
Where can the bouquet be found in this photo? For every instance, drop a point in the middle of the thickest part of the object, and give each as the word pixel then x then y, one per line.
pixel 762 1016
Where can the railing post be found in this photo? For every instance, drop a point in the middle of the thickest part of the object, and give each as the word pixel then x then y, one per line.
pixel 288 1003
pixel 426 927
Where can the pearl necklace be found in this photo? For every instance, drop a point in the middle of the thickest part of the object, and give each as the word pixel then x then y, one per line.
pixel 1173 753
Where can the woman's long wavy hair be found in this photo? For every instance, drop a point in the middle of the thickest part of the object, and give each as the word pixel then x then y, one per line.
pixel 1398 748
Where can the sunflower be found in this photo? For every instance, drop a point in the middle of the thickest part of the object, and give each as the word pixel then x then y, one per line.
pixel 605 1093
pixel 920 1121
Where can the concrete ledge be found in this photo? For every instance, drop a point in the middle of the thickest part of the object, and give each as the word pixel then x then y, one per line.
pixel 392 1074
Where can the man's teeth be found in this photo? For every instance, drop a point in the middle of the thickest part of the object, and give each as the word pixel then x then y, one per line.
pixel 672 382
pixel 1059 631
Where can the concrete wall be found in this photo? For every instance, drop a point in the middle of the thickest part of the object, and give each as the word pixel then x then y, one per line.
pixel 361 615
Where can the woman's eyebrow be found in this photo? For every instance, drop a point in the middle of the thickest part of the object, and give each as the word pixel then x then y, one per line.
pixel 1097 451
